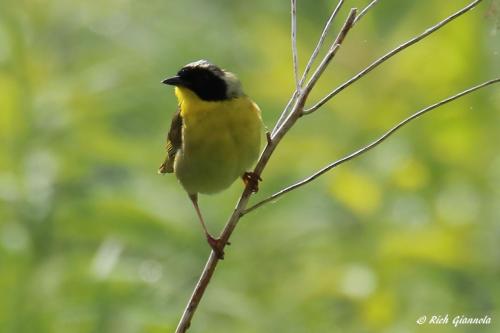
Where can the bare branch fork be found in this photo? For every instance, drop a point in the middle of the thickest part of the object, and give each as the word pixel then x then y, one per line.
pixel 295 109
pixel 370 146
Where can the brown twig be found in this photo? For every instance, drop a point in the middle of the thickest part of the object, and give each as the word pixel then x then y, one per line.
pixel 302 97
pixel 390 54
pixel 321 40
pixel 295 57
pixel 311 60
pixel 315 53
pixel 283 126
pixel 271 145
pixel 365 10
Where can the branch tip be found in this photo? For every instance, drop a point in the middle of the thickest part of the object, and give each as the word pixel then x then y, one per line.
pixel 391 53
pixel 371 145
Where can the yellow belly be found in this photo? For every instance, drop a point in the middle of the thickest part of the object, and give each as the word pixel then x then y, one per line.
pixel 221 140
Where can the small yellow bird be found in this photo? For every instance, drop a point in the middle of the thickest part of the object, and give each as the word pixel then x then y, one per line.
pixel 214 136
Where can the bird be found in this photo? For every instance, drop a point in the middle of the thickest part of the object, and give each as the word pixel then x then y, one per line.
pixel 214 137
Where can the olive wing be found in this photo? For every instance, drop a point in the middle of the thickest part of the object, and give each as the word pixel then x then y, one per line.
pixel 174 143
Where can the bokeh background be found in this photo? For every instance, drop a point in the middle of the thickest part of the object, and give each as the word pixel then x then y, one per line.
pixel 93 240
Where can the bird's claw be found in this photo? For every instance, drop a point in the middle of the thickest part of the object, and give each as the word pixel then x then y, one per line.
pixel 217 246
pixel 251 179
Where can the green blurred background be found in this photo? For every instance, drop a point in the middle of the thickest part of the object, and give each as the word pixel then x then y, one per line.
pixel 93 240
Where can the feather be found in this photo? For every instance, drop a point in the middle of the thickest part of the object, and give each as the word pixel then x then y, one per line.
pixel 174 143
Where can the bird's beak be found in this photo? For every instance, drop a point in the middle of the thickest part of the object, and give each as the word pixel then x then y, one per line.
pixel 173 81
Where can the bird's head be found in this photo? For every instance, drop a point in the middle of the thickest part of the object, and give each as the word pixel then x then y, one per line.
pixel 207 81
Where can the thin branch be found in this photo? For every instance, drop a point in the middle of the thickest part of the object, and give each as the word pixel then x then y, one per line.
pixel 313 57
pixel 293 116
pixel 295 113
pixel 365 10
pixel 315 53
pixel 391 54
pixel 333 49
pixel 369 146
pixel 286 112
pixel 294 45
pixel 321 40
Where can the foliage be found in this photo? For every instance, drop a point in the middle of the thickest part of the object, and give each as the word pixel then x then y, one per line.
pixel 93 240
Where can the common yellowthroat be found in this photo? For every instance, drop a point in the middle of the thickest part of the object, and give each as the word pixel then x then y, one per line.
pixel 214 136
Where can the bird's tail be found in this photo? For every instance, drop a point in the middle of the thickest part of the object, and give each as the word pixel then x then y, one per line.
pixel 167 166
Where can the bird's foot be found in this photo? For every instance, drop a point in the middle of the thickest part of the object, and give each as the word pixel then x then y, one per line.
pixel 251 179
pixel 217 246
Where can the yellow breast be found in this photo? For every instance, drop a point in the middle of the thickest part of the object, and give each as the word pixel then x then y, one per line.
pixel 221 140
